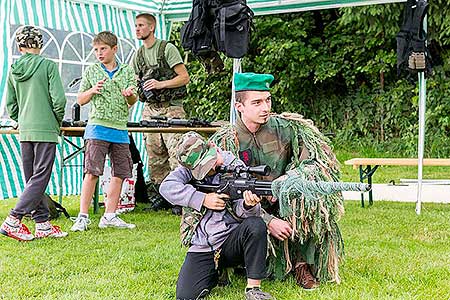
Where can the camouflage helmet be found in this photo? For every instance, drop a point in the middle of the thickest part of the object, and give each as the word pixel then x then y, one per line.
pixel 29 37
pixel 196 154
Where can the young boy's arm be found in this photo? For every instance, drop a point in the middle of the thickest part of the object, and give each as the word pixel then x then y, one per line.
pixel 247 207
pixel 130 96
pixel 11 101
pixel 56 91
pixel 176 190
pixel 87 91
pixel 129 92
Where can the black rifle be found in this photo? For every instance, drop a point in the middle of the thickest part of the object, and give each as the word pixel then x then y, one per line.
pixel 237 179
pixel 161 121
pixel 70 123
pixel 154 122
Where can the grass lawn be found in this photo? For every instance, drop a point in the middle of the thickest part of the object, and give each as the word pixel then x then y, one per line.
pixel 390 254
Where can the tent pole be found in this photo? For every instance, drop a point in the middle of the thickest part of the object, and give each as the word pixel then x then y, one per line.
pixel 422 105
pixel 421 146
pixel 236 69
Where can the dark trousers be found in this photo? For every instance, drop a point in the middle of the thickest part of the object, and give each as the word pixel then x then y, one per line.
pixel 246 245
pixel 37 161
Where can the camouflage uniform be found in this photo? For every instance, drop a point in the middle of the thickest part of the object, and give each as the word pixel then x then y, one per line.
pixel 161 147
pixel 157 62
pixel 284 143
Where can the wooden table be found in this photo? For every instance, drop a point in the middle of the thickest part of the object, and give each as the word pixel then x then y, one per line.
pixel 67 132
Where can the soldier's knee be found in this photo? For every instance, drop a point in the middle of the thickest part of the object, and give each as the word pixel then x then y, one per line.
pixel 255 226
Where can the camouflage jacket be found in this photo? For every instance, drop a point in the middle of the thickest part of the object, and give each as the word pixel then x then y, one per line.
pixel 271 145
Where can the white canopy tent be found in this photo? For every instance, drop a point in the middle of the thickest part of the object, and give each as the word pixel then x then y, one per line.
pixel 69 25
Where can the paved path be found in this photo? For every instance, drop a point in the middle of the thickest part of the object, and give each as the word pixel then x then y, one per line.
pixel 404 193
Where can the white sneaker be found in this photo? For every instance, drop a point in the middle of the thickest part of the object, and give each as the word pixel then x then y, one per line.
pixel 81 224
pixel 115 222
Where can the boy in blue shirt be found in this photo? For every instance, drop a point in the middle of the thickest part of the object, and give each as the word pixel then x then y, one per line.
pixel 109 87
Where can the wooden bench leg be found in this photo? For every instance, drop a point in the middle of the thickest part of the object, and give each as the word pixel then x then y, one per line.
pixel 363 174
pixel 369 181
pixel 361 179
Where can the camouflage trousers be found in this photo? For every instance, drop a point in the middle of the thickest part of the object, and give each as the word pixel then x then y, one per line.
pixel 161 147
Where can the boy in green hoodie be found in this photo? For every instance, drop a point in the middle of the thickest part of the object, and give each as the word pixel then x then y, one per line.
pixel 35 99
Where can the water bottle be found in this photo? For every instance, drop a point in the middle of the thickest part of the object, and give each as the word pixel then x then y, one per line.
pixel 75 112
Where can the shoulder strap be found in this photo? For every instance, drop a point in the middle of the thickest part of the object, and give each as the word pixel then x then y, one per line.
pixel 140 60
pixel 60 208
pixel 162 62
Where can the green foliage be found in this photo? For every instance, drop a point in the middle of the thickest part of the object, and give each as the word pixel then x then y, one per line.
pixel 338 68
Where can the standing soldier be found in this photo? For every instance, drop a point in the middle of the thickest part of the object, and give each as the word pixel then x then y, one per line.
pixel 288 142
pixel 163 78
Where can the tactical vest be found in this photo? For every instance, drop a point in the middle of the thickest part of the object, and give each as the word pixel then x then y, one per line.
pixel 161 72
pixel 412 53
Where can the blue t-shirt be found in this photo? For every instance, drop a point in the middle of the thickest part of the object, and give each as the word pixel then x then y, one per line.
pixel 112 135
pixel 112 72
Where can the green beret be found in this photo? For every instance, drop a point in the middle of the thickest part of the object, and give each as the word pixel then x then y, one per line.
pixel 252 82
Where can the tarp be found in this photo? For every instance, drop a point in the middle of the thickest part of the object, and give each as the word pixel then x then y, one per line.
pixel 68 28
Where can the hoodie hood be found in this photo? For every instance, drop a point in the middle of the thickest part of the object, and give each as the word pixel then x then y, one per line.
pixel 26 66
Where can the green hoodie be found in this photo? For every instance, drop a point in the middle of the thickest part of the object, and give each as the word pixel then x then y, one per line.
pixel 35 98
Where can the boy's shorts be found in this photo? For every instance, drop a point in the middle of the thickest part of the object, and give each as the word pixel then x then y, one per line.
pixel 119 155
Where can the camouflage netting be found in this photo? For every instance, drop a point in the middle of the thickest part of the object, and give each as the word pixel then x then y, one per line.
pixel 316 237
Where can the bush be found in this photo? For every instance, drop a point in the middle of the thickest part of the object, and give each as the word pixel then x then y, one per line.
pixel 338 68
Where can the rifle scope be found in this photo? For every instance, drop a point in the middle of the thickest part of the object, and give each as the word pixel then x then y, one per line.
pixel 260 170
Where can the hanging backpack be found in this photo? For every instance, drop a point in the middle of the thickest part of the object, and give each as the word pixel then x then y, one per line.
pixel 218 25
pixel 412 53
pixel 232 28
pixel 196 33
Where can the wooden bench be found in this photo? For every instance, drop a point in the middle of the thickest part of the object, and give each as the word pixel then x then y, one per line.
pixel 368 166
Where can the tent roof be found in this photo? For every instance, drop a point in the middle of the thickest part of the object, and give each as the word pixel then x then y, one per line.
pixel 178 10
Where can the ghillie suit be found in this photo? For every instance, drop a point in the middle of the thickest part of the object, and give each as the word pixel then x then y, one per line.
pixel 316 237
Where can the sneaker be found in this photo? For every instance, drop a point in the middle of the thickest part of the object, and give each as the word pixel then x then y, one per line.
pixel 81 224
pixel 46 229
pixel 304 277
pixel 256 294
pixel 115 222
pixel 15 229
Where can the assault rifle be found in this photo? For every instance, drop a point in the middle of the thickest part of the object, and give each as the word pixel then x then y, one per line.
pixel 237 179
pixel 154 122
pixel 161 121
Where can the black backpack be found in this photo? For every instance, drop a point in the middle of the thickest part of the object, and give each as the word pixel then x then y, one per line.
pixel 218 25
pixel 232 28
pixel 412 53
pixel 55 208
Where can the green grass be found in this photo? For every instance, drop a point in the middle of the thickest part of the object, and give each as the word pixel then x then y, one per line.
pixel 390 254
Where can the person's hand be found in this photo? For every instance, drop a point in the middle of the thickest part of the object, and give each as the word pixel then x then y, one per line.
pixel 128 92
pixel 251 199
pixel 215 201
pixel 280 229
pixel 153 84
pixel 97 88
pixel 270 199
